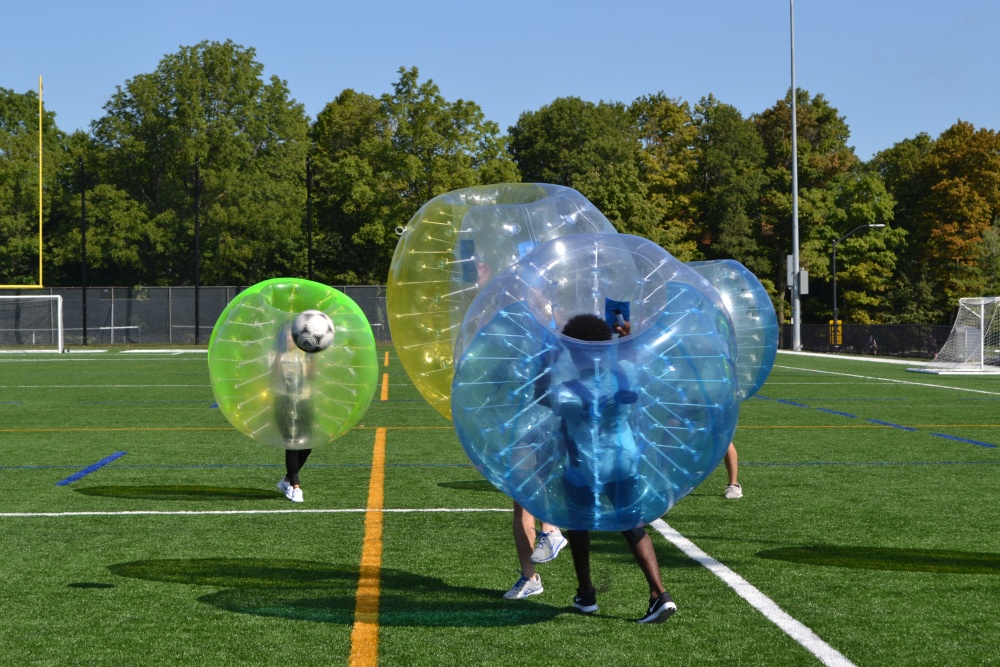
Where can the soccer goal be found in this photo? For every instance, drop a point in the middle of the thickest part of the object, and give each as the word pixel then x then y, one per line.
pixel 31 323
pixel 974 343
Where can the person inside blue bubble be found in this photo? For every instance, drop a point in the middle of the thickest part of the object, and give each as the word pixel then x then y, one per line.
pixel 603 458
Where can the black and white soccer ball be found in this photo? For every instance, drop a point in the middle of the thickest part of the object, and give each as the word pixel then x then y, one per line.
pixel 312 331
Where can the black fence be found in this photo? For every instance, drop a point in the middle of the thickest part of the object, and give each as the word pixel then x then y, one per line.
pixel 166 315
pixel 136 315
pixel 892 340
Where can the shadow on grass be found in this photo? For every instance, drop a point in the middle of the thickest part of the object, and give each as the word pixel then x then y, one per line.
pixel 938 561
pixel 470 485
pixel 325 593
pixel 179 493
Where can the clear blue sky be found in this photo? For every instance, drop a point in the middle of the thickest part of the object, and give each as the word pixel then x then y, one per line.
pixel 893 68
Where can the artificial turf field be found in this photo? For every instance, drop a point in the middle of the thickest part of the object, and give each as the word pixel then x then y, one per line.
pixel 139 528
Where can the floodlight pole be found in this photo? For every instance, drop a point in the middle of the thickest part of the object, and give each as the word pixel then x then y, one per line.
pixel 197 253
pixel 833 272
pixel 309 220
pixel 796 281
pixel 83 245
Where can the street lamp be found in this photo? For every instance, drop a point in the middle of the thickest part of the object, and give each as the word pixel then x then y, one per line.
pixel 836 322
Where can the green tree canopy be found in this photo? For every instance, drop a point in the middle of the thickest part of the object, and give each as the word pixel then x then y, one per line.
pixel 595 149
pixel 19 160
pixel 207 109
pixel 378 160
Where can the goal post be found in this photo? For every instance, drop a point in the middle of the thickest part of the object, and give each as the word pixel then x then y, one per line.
pixel 973 346
pixel 31 323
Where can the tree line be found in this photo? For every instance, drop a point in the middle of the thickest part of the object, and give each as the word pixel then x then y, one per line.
pixel 206 140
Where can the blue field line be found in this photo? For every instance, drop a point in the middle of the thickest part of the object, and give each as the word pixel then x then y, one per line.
pixel 91 468
pixel 954 437
pixel 837 412
pixel 166 466
pixel 787 402
pixel 911 429
pixel 864 464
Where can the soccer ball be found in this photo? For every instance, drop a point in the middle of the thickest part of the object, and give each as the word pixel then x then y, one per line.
pixel 312 331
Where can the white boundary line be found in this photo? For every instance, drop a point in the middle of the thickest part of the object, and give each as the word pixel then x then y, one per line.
pixel 7 515
pixel 870 377
pixel 808 639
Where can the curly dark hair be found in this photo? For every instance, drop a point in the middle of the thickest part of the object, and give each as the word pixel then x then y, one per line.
pixel 586 326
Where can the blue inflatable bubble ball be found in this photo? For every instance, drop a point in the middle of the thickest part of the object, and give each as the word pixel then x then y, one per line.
pixel 754 320
pixel 453 246
pixel 596 431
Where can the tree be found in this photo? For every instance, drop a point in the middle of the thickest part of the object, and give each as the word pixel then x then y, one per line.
pixel 729 180
pixel 595 149
pixel 823 158
pixel 963 170
pixel 668 165
pixel 949 196
pixel 379 160
pixel 206 113
pixel 19 185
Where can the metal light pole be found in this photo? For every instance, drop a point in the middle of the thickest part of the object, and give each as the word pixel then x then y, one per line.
pixel 796 278
pixel 836 321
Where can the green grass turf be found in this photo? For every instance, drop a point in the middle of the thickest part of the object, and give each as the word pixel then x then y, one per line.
pixel 859 520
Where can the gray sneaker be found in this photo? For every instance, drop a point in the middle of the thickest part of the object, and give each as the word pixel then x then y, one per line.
pixel 734 491
pixel 548 547
pixel 524 587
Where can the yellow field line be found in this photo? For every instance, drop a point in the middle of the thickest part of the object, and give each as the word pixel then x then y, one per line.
pixel 364 635
pixel 385 386
pixel 449 427
pixel 197 428
pixel 386 362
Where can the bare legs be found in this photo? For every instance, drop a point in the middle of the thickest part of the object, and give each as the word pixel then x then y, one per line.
pixel 731 460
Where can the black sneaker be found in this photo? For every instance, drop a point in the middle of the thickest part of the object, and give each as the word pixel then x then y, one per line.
pixel 587 603
pixel 660 609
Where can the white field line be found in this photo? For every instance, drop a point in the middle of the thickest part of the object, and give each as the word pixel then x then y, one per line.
pixel 906 382
pixel 7 515
pixel 805 637
pixel 93 386
pixel 855 357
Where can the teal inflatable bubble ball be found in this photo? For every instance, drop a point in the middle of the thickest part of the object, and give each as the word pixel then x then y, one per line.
pixel 594 432
pixel 274 391
pixel 754 320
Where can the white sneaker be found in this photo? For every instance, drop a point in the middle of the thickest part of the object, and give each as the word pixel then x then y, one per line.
pixel 548 547
pixel 734 491
pixel 524 587
pixel 283 486
pixel 294 494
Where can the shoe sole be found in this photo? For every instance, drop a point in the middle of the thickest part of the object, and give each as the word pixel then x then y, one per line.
pixel 665 612
pixel 586 609
pixel 526 595
pixel 555 553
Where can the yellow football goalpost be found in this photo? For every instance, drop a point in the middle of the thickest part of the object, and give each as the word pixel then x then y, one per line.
pixel 39 285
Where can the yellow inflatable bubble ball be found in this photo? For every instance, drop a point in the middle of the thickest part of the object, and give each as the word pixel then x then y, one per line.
pixel 451 248
pixel 271 388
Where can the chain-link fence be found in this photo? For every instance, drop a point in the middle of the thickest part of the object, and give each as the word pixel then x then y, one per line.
pixel 894 340
pixel 166 315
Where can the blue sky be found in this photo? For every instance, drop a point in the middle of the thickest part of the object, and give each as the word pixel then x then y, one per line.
pixel 893 68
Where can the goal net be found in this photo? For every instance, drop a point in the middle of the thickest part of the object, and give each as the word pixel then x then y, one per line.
pixel 974 343
pixel 31 323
